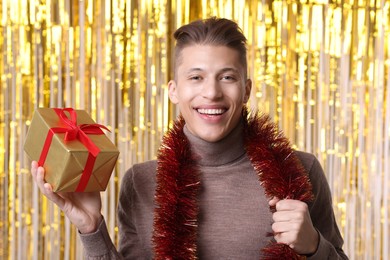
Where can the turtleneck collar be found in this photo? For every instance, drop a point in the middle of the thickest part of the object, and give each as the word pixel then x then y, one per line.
pixel 225 151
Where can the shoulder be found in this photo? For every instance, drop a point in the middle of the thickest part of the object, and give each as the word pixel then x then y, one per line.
pixel 308 160
pixel 311 165
pixel 143 167
pixel 320 185
pixel 314 170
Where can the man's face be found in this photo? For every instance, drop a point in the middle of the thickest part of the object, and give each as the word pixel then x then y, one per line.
pixel 210 90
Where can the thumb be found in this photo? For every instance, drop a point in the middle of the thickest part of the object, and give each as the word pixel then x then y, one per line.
pixel 273 201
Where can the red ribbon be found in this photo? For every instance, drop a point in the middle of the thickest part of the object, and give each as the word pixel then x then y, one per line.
pixel 73 131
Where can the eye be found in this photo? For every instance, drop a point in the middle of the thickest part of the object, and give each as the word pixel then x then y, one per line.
pixel 195 77
pixel 228 78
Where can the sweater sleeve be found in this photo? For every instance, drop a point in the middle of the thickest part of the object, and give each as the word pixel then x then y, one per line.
pixel 129 243
pixel 322 215
pixel 98 245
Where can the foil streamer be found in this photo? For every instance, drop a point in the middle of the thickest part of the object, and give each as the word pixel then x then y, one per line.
pixel 319 68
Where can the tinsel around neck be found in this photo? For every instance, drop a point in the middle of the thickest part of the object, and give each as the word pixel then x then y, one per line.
pixel 178 183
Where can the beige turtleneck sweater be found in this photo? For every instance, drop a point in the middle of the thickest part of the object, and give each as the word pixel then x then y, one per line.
pixel 234 216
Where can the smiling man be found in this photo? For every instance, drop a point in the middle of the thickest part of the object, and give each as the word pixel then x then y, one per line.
pixel 210 89
pixel 223 180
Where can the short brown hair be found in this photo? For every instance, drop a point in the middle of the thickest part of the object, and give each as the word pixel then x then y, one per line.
pixel 212 31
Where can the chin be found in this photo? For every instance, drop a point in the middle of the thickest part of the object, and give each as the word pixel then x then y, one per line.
pixel 212 138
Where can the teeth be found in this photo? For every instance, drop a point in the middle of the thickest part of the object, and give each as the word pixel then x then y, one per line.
pixel 211 111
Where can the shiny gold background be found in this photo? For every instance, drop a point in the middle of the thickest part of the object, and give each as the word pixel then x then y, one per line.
pixel 320 68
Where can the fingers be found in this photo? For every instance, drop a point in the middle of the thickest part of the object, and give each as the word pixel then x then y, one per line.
pixel 291 205
pixel 292 225
pixel 38 174
pixel 287 238
pixel 287 204
pixel 34 167
pixel 288 213
pixel 302 240
pixel 285 231
pixel 287 218
pixel 285 226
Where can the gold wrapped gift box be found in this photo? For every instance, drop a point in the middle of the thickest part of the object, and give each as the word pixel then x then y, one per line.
pixel 67 161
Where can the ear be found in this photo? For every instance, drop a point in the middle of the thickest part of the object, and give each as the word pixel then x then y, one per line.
pixel 172 92
pixel 248 87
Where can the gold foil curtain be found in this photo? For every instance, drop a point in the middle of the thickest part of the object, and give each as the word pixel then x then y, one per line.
pixel 319 68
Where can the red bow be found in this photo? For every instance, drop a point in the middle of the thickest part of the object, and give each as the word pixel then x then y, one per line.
pixel 73 131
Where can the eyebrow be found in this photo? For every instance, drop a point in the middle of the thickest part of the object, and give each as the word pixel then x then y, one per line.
pixel 230 69
pixel 194 69
pixel 222 70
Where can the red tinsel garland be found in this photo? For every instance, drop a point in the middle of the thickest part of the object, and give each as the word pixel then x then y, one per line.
pixel 280 172
pixel 178 181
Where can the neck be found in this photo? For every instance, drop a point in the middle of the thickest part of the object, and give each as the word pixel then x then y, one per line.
pixel 222 152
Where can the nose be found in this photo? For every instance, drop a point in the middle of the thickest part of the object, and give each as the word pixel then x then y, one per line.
pixel 212 89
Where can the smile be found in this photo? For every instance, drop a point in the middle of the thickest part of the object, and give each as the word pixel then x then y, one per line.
pixel 209 111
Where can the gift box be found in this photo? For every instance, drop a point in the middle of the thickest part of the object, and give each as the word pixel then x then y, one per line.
pixel 73 149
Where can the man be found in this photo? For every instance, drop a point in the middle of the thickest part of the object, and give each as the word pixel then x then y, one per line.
pixel 218 173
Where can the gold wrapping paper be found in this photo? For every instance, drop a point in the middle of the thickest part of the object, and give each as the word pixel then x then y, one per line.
pixel 66 160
